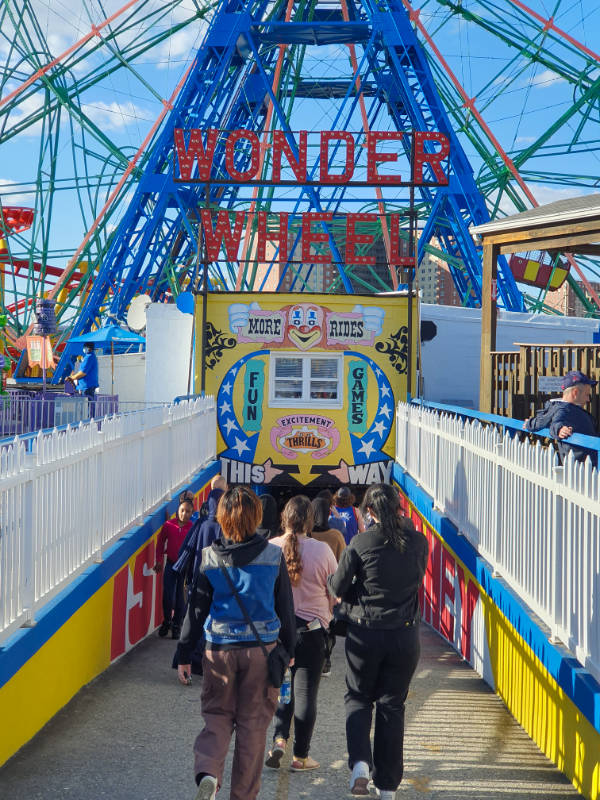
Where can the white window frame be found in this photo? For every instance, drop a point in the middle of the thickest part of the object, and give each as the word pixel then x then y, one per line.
pixel 306 401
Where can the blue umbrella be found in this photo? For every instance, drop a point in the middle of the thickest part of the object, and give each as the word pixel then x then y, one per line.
pixel 109 335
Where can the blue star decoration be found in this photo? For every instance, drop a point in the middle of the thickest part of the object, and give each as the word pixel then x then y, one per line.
pixel 239 446
pixel 367 448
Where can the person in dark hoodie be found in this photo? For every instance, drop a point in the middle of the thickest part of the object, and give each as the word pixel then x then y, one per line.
pixel 378 580
pixel 269 525
pixel 236 694
pixel 567 415
pixel 203 534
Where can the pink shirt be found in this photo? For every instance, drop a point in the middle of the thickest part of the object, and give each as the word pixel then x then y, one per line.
pixel 171 535
pixel 311 598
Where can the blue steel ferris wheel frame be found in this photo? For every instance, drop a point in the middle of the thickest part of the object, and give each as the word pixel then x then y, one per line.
pixel 226 88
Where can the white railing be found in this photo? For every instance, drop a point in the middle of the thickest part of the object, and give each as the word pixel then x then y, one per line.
pixel 22 412
pixel 66 494
pixel 535 522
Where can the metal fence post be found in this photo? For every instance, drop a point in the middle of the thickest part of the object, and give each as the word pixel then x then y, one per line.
pixel 99 516
pixel 28 564
pixel 419 445
pixel 436 464
pixel 499 489
pixel 556 553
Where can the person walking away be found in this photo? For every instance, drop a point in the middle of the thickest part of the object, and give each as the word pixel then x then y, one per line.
pixel 335 540
pixel 567 415
pixel 378 580
pixel 322 529
pixel 170 539
pixel 344 505
pixel 335 521
pixel 269 525
pixel 202 534
pixel 309 563
pixel 236 694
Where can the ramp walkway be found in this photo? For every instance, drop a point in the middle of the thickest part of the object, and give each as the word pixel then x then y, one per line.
pixel 128 736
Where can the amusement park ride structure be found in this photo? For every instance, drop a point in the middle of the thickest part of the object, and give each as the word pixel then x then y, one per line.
pixel 258 69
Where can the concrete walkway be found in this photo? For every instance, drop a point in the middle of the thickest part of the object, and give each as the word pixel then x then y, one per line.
pixel 128 736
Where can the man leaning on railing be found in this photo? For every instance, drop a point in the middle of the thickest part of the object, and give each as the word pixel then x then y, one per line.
pixel 566 415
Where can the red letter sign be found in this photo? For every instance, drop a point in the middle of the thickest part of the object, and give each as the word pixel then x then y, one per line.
pixel 346 175
pixel 433 159
pixel 373 157
pixel 213 239
pixel 264 236
pixel 396 259
pixel 232 140
pixel 197 150
pixel 353 238
pixel 280 144
pixel 309 237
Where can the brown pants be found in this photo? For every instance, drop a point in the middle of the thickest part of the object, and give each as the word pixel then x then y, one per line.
pixel 235 693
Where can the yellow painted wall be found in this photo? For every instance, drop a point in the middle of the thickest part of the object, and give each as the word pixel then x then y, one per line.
pixel 113 613
pixel 77 653
pixel 530 692
pixel 541 707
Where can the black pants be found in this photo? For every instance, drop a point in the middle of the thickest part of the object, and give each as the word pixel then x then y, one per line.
pixel 329 645
pixel 379 668
pixel 309 658
pixel 173 595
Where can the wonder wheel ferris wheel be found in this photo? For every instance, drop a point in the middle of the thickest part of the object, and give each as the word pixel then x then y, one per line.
pixel 87 88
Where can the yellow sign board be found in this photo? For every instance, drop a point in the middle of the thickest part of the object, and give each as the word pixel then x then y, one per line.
pixel 306 385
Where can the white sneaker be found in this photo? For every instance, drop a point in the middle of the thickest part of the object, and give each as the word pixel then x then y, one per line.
pixel 207 788
pixel 360 778
pixel 384 794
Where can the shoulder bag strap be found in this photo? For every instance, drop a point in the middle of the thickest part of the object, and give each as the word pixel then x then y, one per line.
pixel 240 604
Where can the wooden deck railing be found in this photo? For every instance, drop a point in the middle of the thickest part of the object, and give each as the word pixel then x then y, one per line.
pixel 517 390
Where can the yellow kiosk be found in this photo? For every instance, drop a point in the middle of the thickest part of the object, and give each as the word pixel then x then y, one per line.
pixel 306 385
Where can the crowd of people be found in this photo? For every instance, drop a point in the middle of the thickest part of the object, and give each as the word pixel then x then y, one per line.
pixel 261 585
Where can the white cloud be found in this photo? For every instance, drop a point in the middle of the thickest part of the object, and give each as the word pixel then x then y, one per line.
pixel 11 196
pixel 524 139
pixel 549 194
pixel 546 78
pixel 26 106
pixel 115 116
pixel 543 194
pixel 182 44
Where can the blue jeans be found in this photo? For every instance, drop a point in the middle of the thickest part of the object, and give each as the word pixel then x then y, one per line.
pixel 379 668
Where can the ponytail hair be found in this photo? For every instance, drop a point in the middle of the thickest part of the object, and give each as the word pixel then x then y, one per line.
pixel 383 500
pixel 297 518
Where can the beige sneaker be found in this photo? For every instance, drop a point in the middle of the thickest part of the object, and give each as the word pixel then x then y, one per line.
pixel 207 788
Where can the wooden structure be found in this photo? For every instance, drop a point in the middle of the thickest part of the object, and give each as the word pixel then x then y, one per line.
pixel 569 226
pixel 523 379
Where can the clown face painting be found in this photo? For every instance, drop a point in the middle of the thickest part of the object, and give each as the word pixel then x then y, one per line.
pixel 305 325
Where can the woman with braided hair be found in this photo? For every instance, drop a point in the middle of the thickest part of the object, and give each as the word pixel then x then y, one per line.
pixel 309 563
pixel 378 581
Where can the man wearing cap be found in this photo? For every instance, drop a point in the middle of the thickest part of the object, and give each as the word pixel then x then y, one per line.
pixel 567 415
pixel 571 416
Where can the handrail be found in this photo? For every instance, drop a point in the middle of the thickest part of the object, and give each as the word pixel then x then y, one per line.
pixel 511 424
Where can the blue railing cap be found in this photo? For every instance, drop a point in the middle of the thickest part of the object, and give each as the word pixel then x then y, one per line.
pixel 516 425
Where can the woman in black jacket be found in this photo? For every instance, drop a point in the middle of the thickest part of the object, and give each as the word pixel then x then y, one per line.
pixel 378 580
